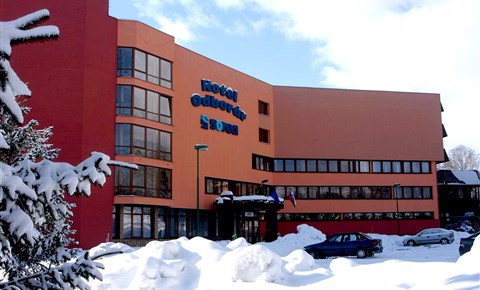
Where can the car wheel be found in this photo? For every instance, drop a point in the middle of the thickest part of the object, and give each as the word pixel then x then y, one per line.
pixel 443 241
pixel 361 253
pixel 411 243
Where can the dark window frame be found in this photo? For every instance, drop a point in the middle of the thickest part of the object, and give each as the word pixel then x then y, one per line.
pixel 263 108
pixel 264 135
pixel 143 151
pixel 164 182
pixel 127 106
pixel 128 67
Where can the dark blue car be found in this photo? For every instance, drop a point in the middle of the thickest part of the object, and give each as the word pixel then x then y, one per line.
pixel 346 244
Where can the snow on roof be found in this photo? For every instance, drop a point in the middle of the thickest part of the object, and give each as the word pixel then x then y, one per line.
pixel 469 177
pixel 228 195
pixel 461 177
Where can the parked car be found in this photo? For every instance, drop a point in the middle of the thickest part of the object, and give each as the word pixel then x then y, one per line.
pixel 466 243
pixel 430 236
pixel 346 244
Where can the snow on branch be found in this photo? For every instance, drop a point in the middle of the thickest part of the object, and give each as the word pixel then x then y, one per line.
pixel 13 32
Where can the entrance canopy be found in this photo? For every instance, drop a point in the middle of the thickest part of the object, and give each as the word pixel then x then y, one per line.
pixel 250 202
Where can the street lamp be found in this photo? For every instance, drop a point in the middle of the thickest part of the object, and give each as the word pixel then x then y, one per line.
pixel 396 186
pixel 199 147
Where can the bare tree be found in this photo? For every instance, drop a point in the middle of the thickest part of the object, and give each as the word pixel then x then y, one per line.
pixel 463 158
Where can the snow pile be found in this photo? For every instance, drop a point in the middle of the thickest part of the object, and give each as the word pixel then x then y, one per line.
pixel 199 263
pixel 306 235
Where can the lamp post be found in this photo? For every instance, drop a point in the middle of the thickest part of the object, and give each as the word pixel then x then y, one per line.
pixel 199 147
pixel 396 186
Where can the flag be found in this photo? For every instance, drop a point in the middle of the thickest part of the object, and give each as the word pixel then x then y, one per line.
pixel 291 197
pixel 274 195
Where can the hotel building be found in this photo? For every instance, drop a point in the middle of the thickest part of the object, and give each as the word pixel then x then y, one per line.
pixel 353 159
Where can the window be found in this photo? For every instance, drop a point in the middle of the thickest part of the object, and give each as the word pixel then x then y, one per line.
pixel 141 141
pixel 137 222
pixel 416 167
pixel 138 64
pixel 263 135
pixel 397 167
pixel 332 166
pixel 146 181
pixel 153 71
pixel 425 167
pixel 386 166
pixel 322 166
pixel 140 71
pixel 262 162
pixel 263 108
pixel 124 100
pixel 311 165
pixel 312 192
pixel 138 102
pixel 364 166
pixel 278 165
pixel 122 139
pixel 302 192
pixel 124 62
pixel 289 165
pixel 165 73
pixel 300 165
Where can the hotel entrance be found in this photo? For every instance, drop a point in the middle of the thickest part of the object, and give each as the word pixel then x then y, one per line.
pixel 241 217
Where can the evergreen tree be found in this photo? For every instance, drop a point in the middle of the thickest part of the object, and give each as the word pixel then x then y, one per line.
pixel 35 220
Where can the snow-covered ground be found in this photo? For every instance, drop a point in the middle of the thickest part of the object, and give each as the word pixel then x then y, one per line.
pixel 199 263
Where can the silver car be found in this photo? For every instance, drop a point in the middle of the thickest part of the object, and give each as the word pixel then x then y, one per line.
pixel 430 236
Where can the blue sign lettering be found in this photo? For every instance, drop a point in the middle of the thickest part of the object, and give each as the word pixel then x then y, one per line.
pixel 211 101
pixel 217 125
pixel 208 86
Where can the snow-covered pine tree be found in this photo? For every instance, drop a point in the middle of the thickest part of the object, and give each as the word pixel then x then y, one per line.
pixel 35 220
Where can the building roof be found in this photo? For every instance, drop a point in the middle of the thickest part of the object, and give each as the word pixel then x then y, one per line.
pixel 458 177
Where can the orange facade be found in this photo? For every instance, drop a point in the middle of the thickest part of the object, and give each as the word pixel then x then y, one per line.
pixel 301 123
pixel 340 152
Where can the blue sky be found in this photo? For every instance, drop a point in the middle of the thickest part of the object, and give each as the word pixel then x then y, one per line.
pixel 396 45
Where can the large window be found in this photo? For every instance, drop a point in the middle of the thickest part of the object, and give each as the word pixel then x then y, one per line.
pixel 414 192
pixel 138 64
pixel 262 162
pixel 145 181
pixel 137 222
pixel 134 101
pixel 142 141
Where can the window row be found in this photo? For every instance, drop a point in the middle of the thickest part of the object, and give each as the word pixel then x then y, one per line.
pixel 217 186
pixel 135 63
pixel 145 181
pixel 409 192
pixel 238 188
pixel 354 192
pixel 134 101
pixel 338 166
pixel 149 222
pixel 142 141
pixel 353 216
